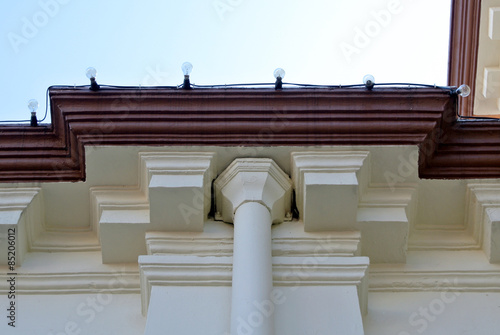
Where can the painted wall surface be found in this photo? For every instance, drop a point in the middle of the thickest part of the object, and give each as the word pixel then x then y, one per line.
pixel 433 313
pixel 420 252
pixel 96 314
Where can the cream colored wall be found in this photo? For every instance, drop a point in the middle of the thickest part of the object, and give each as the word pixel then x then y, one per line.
pixel 423 238
pixel 72 314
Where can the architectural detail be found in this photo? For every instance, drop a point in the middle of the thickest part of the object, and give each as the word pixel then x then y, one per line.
pixel 373 241
pixel 253 180
pixel 329 186
pixel 179 189
pixel 464 41
pixel 288 239
pixel 385 280
pixel 173 194
pixel 385 216
pixel 329 281
pixel 488 70
pixel 20 222
pixel 426 117
pixel 334 194
pixel 254 194
pixel 484 217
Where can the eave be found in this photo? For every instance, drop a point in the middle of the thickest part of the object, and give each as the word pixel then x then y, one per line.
pixel 450 148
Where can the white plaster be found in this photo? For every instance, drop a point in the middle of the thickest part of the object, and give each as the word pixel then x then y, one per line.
pixel 452 230
pixel 328 186
pixel 99 313
pixel 433 313
pixel 384 234
pixel 487 76
pixel 20 217
pixel 494 23
pixel 188 310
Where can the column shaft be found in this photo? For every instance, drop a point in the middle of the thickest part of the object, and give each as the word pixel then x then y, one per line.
pixel 251 312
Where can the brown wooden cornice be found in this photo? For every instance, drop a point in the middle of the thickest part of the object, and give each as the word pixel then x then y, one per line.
pixel 250 117
pixel 464 46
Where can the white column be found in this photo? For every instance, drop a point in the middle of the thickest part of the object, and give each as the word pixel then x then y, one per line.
pixel 252 271
pixel 253 194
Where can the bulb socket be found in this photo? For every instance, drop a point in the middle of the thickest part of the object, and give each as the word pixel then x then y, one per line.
pixel 93 85
pixel 187 84
pixel 278 85
pixel 33 121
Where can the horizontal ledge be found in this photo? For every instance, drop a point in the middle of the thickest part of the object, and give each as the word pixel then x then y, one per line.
pixel 436 281
pixel 72 283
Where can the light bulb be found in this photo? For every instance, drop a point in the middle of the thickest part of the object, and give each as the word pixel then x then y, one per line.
pixel 91 72
pixel 463 91
pixel 369 81
pixel 33 105
pixel 187 68
pixel 279 73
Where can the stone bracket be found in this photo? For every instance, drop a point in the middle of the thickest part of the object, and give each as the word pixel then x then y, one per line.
pixel 21 221
pixel 328 187
pixel 483 217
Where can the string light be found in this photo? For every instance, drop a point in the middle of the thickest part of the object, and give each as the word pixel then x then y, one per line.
pixel 186 69
pixel 91 73
pixel 369 81
pixel 463 91
pixel 279 74
pixel 33 106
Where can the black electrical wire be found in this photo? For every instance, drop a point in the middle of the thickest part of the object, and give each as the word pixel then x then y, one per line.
pixel 46 104
pixel 479 118
pixel 231 85
pixel 249 85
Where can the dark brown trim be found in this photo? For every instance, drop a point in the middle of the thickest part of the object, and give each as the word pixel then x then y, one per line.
pixel 250 117
pixel 464 42
pixel 232 117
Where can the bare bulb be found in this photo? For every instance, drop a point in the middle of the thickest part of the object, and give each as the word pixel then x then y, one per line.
pixel 369 81
pixel 91 72
pixel 463 91
pixel 33 105
pixel 279 73
pixel 187 68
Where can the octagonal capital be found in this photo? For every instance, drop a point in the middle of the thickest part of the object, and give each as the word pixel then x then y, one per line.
pixel 253 180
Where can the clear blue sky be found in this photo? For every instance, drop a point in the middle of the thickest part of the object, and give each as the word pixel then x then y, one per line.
pixel 52 42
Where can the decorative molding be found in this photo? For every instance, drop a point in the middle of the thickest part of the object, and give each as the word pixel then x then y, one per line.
pixel 464 43
pixel 236 117
pixel 464 150
pixel 218 241
pixel 253 180
pixel 435 281
pixel 328 187
pixel 179 189
pixel 259 117
pixel 217 271
pixel 172 193
pixel 334 193
pixel 73 282
pixel 483 217
pixel 21 216
pixel 385 215
pixel 63 241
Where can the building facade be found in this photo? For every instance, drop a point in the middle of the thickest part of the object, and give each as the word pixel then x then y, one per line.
pixel 236 211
